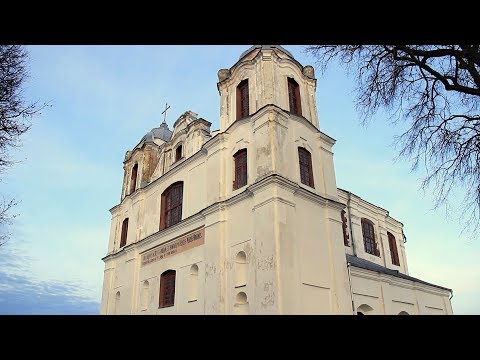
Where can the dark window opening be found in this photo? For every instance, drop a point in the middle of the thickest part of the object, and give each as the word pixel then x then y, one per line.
pixel 123 238
pixel 167 289
pixel 392 243
pixel 133 180
pixel 294 97
pixel 178 153
pixel 305 161
pixel 240 164
pixel 171 205
pixel 242 99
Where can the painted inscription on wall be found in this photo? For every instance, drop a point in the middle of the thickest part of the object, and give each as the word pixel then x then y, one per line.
pixel 183 243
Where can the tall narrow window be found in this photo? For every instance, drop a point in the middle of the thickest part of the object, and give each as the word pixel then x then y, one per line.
pixel 178 153
pixel 171 207
pixel 133 180
pixel 240 160
pixel 242 99
pixel 167 289
pixel 344 228
pixel 305 161
pixel 369 238
pixel 392 243
pixel 123 238
pixel 294 97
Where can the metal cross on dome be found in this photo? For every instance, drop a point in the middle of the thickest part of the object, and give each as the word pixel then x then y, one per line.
pixel 165 112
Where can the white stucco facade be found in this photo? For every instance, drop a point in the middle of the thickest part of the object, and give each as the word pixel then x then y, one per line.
pixel 274 245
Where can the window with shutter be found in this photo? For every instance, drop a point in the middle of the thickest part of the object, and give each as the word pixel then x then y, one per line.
pixel 240 164
pixel 167 289
pixel 369 238
pixel 171 205
pixel 242 99
pixel 306 172
pixel 294 97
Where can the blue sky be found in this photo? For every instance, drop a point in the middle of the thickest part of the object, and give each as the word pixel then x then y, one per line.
pixel 105 98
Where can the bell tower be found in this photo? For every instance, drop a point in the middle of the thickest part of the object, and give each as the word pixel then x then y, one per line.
pixel 266 75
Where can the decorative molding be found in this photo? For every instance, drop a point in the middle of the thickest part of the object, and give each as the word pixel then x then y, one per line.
pixel 396 281
pixel 269 200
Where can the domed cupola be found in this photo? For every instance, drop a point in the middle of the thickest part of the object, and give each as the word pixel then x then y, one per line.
pixel 162 133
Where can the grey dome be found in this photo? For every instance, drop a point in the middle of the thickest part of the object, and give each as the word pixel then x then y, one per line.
pixel 267 47
pixel 162 133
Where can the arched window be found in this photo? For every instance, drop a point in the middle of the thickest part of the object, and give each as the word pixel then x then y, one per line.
pixel 145 294
pixel 240 165
pixel 171 205
pixel 294 97
pixel 133 179
pixel 369 238
pixel 305 161
pixel 178 153
pixel 344 228
pixel 123 237
pixel 193 283
pixel 240 269
pixel 242 99
pixel 392 243
pixel 167 289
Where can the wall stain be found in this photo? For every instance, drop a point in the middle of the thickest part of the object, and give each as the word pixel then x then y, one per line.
pixel 210 269
pixel 266 263
pixel 269 295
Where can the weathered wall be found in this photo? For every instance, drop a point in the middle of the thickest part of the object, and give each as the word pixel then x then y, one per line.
pixel 376 294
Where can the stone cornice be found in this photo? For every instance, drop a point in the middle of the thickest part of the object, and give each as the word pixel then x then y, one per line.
pixel 398 281
pixel 361 203
pixel 328 139
pixel 296 189
pixel 140 244
pixel 249 192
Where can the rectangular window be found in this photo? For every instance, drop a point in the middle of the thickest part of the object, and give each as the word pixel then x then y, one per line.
pixel 178 153
pixel 242 99
pixel 294 97
pixel 240 160
pixel 305 161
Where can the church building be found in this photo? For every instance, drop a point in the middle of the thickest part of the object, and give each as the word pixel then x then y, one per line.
pixel 248 219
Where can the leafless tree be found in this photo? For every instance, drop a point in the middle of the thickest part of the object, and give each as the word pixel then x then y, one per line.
pixel 15 112
pixel 436 90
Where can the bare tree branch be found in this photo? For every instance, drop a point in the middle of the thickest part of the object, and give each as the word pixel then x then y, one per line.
pixel 436 90
pixel 14 113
